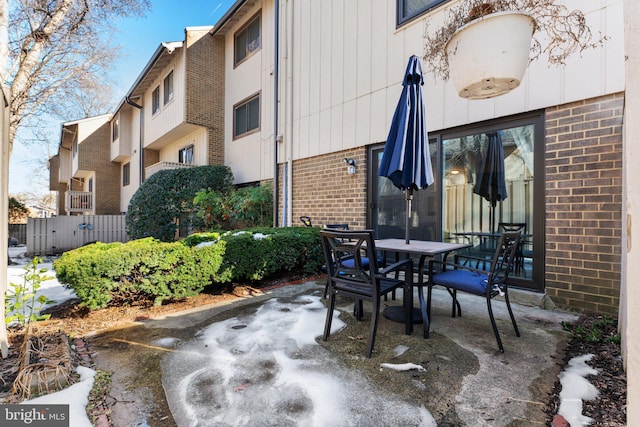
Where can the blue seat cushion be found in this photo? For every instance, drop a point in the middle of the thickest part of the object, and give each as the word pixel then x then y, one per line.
pixel 463 280
pixel 350 263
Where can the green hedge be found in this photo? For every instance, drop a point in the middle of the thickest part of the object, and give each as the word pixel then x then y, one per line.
pixel 257 253
pixel 150 270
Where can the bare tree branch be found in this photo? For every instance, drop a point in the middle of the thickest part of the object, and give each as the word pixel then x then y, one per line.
pixel 59 55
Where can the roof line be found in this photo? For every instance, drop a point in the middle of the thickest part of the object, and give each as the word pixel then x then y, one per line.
pixel 222 21
pixel 170 47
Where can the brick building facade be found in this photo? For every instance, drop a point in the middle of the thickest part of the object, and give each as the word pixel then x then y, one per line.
pixel 583 200
pixel 584 204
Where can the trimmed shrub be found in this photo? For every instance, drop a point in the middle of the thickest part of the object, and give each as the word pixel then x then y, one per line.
pixel 258 253
pixel 141 270
pixel 166 199
pixel 148 270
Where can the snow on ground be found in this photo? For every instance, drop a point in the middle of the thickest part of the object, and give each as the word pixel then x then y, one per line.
pixel 77 395
pixel 49 287
pixel 275 346
pixel 270 360
pixel 576 389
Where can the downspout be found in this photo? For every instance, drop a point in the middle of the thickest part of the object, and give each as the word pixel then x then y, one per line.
pixel 276 79
pixel 128 100
pixel 289 109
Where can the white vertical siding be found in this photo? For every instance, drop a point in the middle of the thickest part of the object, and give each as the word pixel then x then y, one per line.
pixel 250 157
pixel 350 58
pixel 172 114
pixel 130 129
pixel 199 141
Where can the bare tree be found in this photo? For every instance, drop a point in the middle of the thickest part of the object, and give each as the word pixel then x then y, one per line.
pixel 55 55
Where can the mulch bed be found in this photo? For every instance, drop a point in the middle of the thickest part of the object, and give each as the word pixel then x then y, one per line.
pixel 597 335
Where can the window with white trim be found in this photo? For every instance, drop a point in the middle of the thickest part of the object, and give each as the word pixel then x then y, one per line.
pixel 126 174
pixel 115 125
pixel 409 9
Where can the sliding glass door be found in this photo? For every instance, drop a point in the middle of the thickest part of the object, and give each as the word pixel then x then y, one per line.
pixel 488 179
pixel 388 205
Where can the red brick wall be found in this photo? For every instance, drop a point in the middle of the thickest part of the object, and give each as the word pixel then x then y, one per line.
pixel 583 195
pixel 323 190
pixel 205 89
pixel 91 157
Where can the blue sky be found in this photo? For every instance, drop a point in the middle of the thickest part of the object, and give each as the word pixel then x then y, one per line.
pixel 139 39
pixel 166 22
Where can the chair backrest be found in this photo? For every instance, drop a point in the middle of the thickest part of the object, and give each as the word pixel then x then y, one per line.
pixel 306 221
pixel 504 257
pixel 344 251
pixel 337 226
pixel 508 227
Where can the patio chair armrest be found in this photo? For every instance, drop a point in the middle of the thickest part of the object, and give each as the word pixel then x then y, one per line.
pixel 404 264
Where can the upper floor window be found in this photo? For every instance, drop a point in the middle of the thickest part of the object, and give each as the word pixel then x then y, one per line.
pixel 247 40
pixel 126 174
pixel 155 100
pixel 246 116
pixel 115 125
pixel 185 155
pixel 409 9
pixel 90 185
pixel 168 88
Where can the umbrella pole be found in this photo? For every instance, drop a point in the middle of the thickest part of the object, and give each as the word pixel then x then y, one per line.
pixel 409 197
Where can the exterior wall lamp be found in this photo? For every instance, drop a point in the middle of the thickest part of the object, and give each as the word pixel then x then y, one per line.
pixel 351 165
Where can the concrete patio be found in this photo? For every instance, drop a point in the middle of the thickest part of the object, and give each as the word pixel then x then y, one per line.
pixel 196 369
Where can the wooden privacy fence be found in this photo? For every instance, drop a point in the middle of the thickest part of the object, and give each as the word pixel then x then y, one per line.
pixel 48 236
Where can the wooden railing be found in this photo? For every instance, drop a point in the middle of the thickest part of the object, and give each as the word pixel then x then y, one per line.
pixel 165 165
pixel 79 201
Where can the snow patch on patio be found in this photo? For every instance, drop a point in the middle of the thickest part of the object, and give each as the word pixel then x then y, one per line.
pixel 267 367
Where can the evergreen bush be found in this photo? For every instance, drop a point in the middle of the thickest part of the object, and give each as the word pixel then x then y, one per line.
pixel 148 270
pixel 165 200
pixel 139 271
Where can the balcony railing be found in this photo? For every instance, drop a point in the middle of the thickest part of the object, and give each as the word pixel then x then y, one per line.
pixel 163 166
pixel 79 201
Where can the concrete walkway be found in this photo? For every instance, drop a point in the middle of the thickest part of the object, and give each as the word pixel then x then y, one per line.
pixel 260 361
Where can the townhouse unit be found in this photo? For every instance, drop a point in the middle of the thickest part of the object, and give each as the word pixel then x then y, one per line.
pixel 302 93
pixel 172 115
pixel 84 182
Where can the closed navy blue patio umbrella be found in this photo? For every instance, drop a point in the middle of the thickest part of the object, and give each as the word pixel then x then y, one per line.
pixel 490 179
pixel 406 160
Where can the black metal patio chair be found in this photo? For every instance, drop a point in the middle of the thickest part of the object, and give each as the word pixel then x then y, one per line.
pixel 365 260
pixel 487 283
pixel 510 227
pixel 344 252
